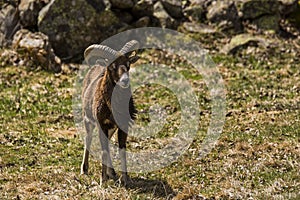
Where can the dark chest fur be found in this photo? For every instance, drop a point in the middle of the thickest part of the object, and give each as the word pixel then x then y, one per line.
pixel 106 99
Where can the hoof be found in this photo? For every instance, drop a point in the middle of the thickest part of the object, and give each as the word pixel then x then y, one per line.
pixel 83 171
pixel 125 180
pixel 112 174
pixel 105 177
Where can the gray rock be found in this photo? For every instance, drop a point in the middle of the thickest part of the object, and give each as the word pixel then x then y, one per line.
pixel 252 9
pixel 287 6
pixel 9 24
pixel 29 11
pixel 173 8
pixel 122 4
pixel 35 50
pixel 142 22
pixel 143 8
pixel 242 41
pixel 193 27
pixel 73 25
pixel 225 15
pixel 166 21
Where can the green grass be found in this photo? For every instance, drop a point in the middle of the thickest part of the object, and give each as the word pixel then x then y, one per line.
pixel 257 155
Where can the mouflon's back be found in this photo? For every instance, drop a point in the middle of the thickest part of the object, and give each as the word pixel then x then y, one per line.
pixel 90 82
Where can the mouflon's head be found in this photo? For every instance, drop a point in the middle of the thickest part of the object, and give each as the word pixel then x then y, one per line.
pixel 117 62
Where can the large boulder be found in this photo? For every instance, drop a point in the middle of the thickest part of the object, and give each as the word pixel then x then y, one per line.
pixel 9 23
pixel 29 12
pixel 34 50
pixel 73 25
pixel 225 15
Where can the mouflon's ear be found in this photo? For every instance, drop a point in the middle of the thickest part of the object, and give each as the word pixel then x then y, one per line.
pixel 112 66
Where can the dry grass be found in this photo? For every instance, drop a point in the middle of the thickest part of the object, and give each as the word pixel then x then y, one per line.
pixel 256 157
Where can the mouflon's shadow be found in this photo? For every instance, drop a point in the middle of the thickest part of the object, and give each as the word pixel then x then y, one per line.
pixel 158 188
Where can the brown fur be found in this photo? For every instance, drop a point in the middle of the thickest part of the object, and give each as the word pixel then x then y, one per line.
pixel 98 87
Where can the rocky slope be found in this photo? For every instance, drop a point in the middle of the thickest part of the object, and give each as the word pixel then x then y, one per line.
pixel 64 28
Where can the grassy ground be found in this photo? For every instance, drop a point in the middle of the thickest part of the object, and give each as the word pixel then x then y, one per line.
pixel 256 157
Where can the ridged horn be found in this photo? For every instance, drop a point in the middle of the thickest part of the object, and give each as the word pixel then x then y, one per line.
pixel 130 46
pixel 99 51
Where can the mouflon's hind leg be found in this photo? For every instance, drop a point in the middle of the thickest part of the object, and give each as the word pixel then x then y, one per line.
pixel 110 169
pixel 89 127
pixel 122 138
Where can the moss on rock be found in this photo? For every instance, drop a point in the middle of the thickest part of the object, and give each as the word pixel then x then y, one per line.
pixel 73 25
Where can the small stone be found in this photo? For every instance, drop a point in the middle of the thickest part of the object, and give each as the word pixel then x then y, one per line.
pixel 166 21
pixel 142 22
pixel 9 57
pixel 198 28
pixel 173 8
pixel 243 40
pixel 143 8
pixel 268 22
pixel 194 13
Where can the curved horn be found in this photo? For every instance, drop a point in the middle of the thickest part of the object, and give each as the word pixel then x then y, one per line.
pixel 99 51
pixel 130 46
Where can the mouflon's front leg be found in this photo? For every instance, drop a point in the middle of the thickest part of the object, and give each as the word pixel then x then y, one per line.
pixel 122 138
pixel 108 171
